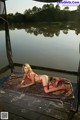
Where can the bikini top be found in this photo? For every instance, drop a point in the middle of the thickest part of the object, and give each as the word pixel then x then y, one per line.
pixel 28 78
pixel 36 77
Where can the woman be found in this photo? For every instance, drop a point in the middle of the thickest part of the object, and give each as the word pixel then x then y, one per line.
pixel 31 76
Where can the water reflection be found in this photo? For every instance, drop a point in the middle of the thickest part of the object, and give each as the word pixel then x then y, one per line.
pixel 7 46
pixel 58 40
pixel 46 29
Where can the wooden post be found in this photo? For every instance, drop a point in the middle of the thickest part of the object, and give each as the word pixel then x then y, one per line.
pixel 8 44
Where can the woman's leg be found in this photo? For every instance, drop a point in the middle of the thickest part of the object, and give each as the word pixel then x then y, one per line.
pixel 45 80
pixel 62 87
pixel 57 81
pixel 50 87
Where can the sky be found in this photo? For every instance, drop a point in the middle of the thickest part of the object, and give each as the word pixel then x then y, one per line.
pixel 20 6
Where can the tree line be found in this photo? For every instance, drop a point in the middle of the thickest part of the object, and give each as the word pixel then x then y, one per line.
pixel 48 13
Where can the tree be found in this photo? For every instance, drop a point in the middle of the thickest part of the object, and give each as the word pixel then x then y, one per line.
pixel 39 9
pixel 51 5
pixel 18 17
pixel 57 7
pixel 10 17
pixel 78 8
pixel 66 8
pixel 45 6
pixel 28 12
pixel 34 9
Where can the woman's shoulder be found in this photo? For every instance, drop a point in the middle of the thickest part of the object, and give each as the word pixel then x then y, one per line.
pixel 32 73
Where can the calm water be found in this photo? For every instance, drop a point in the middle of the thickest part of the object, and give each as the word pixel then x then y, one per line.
pixel 42 46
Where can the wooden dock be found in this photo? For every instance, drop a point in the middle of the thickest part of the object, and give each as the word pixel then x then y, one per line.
pixel 22 106
pixel 25 107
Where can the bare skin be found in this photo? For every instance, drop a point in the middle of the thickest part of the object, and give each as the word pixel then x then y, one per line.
pixel 44 79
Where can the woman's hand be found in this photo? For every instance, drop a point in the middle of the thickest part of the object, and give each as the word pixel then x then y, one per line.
pixel 19 86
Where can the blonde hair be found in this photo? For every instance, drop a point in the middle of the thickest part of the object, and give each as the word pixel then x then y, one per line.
pixel 28 66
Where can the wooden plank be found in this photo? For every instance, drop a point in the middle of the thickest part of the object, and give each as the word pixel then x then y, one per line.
pixel 30 107
pixel 4 69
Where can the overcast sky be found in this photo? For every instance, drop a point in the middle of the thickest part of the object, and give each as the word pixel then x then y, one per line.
pixel 20 6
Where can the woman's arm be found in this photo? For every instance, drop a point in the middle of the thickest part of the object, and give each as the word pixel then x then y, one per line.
pixel 27 85
pixel 23 80
pixel 32 76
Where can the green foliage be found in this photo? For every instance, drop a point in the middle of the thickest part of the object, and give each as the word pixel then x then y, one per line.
pixel 57 7
pixel 48 13
pixel 78 8
pixel 66 8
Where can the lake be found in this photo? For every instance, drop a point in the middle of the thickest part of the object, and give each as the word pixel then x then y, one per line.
pixel 47 45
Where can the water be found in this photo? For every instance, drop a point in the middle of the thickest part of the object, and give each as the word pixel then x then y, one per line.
pixel 52 47
pixel 57 52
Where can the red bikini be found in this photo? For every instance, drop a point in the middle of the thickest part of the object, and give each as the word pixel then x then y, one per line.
pixel 55 84
pixel 28 78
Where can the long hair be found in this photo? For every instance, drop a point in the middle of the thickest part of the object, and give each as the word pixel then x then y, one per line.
pixel 28 66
